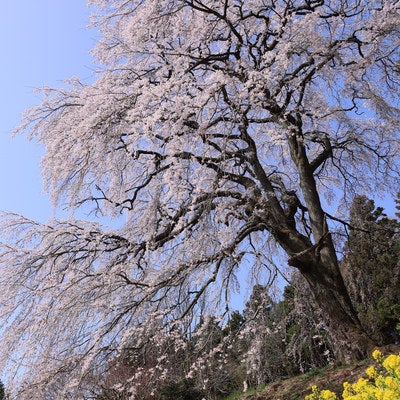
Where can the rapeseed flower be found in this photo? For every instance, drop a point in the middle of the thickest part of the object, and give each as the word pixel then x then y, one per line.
pixel 383 382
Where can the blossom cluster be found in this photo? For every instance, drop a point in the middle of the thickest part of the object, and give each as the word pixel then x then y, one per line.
pixel 383 382
pixel 318 394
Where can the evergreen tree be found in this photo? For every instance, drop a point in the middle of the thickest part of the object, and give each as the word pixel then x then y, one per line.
pixel 371 268
pixel 263 338
pixel 2 391
pixel 307 342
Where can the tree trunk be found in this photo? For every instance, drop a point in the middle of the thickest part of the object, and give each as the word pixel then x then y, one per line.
pixel 349 339
pixel 319 265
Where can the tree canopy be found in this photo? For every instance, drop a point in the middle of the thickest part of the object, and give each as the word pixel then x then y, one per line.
pixel 213 129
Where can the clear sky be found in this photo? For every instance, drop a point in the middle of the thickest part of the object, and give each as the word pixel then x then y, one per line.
pixel 42 42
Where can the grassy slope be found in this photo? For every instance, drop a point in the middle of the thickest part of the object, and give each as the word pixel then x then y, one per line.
pixel 331 378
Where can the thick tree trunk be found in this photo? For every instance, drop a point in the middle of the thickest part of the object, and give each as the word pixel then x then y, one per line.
pixel 349 339
pixel 319 265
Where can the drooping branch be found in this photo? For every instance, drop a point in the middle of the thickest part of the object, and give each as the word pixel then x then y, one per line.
pixel 212 130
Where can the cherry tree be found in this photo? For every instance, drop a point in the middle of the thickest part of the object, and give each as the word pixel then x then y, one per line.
pixel 212 129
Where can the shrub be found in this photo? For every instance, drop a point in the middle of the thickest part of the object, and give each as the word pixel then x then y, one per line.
pixel 183 390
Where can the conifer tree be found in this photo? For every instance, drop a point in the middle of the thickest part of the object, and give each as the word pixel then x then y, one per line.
pixel 2 391
pixel 397 200
pixel 371 267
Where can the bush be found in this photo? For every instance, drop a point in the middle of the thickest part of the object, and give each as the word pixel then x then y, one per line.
pixel 383 382
pixel 183 390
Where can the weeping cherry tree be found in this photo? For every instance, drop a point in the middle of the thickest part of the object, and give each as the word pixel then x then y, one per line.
pixel 213 129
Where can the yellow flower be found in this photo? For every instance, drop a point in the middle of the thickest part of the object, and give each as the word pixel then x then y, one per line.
pixel 391 363
pixel 328 395
pixel 360 385
pixel 383 382
pixel 314 395
pixel 347 390
pixel 318 394
pixel 371 372
pixel 377 355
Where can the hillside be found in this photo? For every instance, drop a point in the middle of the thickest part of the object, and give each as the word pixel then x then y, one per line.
pixel 331 378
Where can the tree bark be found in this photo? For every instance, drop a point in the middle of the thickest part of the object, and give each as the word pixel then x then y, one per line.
pixel 318 264
pixel 349 339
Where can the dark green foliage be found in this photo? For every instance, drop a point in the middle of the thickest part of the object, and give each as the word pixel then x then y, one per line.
pixel 182 390
pixel 2 391
pixel 259 304
pixel 235 322
pixel 263 343
pixel 307 344
pixel 288 299
pixel 371 269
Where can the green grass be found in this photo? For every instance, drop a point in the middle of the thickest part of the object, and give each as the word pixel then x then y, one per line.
pixel 241 395
pixel 313 372
pixel 234 396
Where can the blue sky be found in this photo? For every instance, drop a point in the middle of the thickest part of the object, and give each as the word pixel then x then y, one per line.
pixel 42 42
